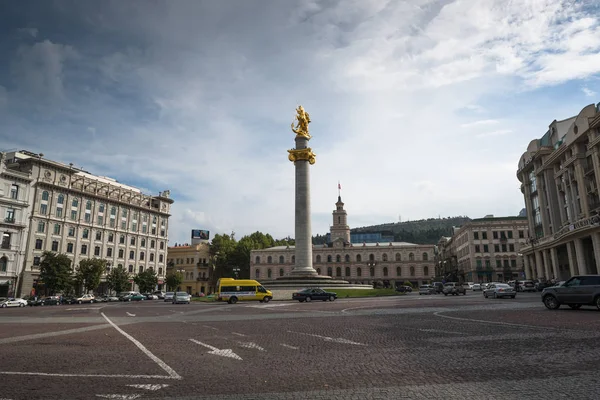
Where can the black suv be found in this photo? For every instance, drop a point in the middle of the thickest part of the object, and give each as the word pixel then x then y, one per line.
pixel 580 290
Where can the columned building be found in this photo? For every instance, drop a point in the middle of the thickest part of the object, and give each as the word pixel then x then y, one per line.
pixel 14 212
pixel 87 216
pixel 560 176
pixel 193 263
pixel 390 263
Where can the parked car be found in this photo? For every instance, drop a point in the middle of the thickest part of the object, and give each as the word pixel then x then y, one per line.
pixel 160 294
pixel 476 287
pixel 150 296
pixel 46 301
pixel 426 289
pixel 13 302
pixel 313 294
pixel 132 296
pixel 182 298
pixel 497 290
pixel 86 298
pixel 439 287
pixel 169 296
pixel 580 290
pixel 454 288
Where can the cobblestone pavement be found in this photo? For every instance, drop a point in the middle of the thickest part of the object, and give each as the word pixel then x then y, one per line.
pixel 384 348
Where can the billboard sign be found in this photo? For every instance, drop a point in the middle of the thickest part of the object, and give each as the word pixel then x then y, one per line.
pixel 200 234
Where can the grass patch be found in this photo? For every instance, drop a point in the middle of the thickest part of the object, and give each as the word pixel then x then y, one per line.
pixel 346 293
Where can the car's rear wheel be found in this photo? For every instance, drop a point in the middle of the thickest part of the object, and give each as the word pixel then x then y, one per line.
pixel 575 306
pixel 597 302
pixel 551 303
pixel 331 298
pixel 308 298
pixel 20 305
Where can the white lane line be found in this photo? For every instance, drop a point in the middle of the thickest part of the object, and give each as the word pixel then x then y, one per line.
pixel 119 396
pixel 481 321
pixel 130 314
pixel 238 334
pixel 83 308
pixel 144 350
pixel 149 386
pixel 209 327
pixel 330 339
pixel 51 334
pixel 290 347
pixel 442 331
pixel 218 352
pixel 251 345
pixel 88 375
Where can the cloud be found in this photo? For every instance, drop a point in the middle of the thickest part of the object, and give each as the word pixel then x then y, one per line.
pixel 588 92
pixel 33 32
pixel 198 98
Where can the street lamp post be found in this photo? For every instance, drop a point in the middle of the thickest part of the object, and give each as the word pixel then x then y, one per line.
pixel 180 271
pixel 236 272
pixel 372 264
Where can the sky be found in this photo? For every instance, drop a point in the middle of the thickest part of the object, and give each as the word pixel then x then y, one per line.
pixel 419 108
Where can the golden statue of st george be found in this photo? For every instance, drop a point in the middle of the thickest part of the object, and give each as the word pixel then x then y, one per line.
pixel 303 118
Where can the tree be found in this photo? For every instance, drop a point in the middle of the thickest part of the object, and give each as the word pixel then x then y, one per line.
pixel 173 280
pixel 118 279
pixel 89 272
pixel 146 280
pixel 55 272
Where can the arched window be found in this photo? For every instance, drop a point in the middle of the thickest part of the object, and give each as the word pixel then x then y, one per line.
pixel 281 259
pixel 384 257
pixel 372 271
pixel 110 237
pixel 45 195
pixel 338 258
pixel 101 208
pixel 318 271
pixel 329 271
pixel 347 271
pixel 398 257
pixel 257 260
pixel 358 271
pixel 398 271
pixel 385 271
pixel 425 256
pixel 143 243
pixel 338 271
pixel 319 258
pixel 160 271
pixel 347 257
pixel 75 203
pixel 293 259
pixel 61 199
pixel 411 257
pixel 426 271
pixel 269 272
pixel 113 211
pixel 328 258
pixel 142 255
pixel 88 205
pixel 371 257
pixel 269 261
pixel 358 258
pixel 280 271
pixel 412 271
pixel 132 255
pixel 131 269
pixel 141 269
pixel 3 264
pixel 257 273
pixel 85 233
pixel 122 239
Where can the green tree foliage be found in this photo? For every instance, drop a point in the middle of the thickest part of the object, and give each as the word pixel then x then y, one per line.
pixel 118 279
pixel 173 280
pixel 89 272
pixel 55 272
pixel 146 280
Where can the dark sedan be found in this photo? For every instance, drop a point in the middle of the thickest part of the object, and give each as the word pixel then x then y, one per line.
pixel 46 301
pixel 314 294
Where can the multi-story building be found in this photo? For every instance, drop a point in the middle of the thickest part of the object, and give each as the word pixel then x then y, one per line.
pixel 14 211
pixel 192 261
pixel 560 176
pixel 88 216
pixel 390 263
pixel 485 250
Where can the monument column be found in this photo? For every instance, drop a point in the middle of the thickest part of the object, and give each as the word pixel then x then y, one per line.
pixel 302 157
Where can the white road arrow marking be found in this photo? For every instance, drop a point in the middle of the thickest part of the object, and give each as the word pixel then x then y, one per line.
pixel 120 396
pixel 237 334
pixel 218 352
pixel 251 345
pixel 131 315
pixel 149 386
pixel 330 339
pixel 290 347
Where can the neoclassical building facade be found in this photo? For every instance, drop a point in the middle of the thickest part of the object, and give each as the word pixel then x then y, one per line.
pixel 364 263
pixel 560 181
pixel 84 216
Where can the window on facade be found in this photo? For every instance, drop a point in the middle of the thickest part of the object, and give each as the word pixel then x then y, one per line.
pixel 371 257
pixel 69 247
pixel 109 252
pixel 57 229
pixel 122 239
pixel 269 273
pixel 113 211
pixel 111 237
pixel 36 260
pixel 293 259
pixel 87 217
pixel 97 251
pixel 160 258
pixel 55 245
pixel 132 241
pixel 142 255
pixel 338 271
pixel 45 195
pixel 426 271
pixel 73 215
pixel 152 244
pixel 329 259
pixel 134 226
pixel 385 271
pixel 358 258
pixel 75 203
pixel 510 234
pixel 100 220
pixel 86 233
pixel 101 208
pixel 329 271
pixel 124 214
pixel 41 227
pixel 257 274
pixel 497 248
pixel 143 242
pixel 511 247
pixel 280 272
pixel 121 253
pixel 141 269
pixel 338 258
pixel 162 245
pixel 132 255
pixel 412 271
pixel 151 256
pixel 123 224
pixel 257 260
pixel 398 257
pixel 88 205
pixel 498 263
pixel 476 235
pixel 425 256
pixel 3 264
pixel 347 271
pixel 486 248
pixel 477 248
pixel 160 271
pixel 521 235
pixel 38 244
pixel 347 257
pixel 98 235
pixel 84 249
pixel 398 271
pixel 318 258
pixel 14 191
pixel 10 215
pixel 6 240
pixel 513 263
pixel 358 271
pixel 269 260
pixel 131 269
pixel 281 259
pixel 59 212
pixel 384 257
pixel 43 209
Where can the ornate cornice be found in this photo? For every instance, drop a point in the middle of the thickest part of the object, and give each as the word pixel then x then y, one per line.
pixel 302 155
